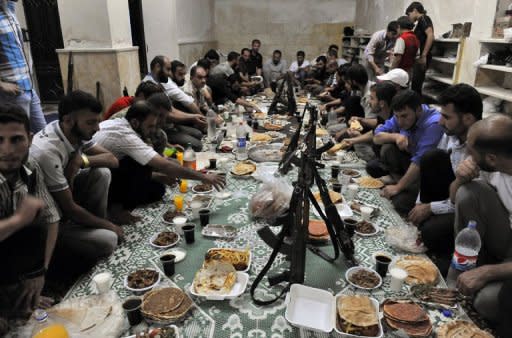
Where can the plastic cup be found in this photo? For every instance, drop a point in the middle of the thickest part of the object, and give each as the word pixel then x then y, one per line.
pixel 183 186
pixel 351 191
pixel 366 212
pixel 179 222
pixel 103 281
pixel 131 306
pixel 168 261
pixel 178 201
pixel 335 171
pixel 382 264
pixel 189 231
pixel 350 226
pixel 398 277
pixel 204 216
pixel 213 163
pixel 195 206
pixel 344 179
pixel 337 187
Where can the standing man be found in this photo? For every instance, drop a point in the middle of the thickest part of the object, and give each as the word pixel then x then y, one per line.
pixel 378 49
pixel 28 218
pixel 406 46
pixel 76 172
pixel 16 83
pixel 424 31
pixel 274 69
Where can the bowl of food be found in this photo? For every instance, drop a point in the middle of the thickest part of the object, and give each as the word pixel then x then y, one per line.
pixel 142 280
pixel 365 228
pixel 363 278
pixel 170 214
pixel 164 239
pixel 202 188
pixel 351 172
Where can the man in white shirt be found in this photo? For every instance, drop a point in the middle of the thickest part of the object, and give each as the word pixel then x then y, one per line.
pixel 461 107
pixel 482 191
pixel 125 137
pixel 301 66
pixel 274 69
pixel 376 51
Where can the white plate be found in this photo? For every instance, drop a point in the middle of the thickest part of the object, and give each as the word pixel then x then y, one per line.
pixel 143 289
pixel 201 192
pixel 241 283
pixel 179 253
pixel 223 194
pixel 343 210
pixel 352 176
pixel 152 238
pixel 219 231
pixel 355 269
pixel 243 250
pixel 377 229
pixel 375 303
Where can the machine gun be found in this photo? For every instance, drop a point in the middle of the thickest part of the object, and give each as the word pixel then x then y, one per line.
pixel 295 222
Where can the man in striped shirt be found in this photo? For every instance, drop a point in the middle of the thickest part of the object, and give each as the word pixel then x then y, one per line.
pixel 28 218
pixel 16 84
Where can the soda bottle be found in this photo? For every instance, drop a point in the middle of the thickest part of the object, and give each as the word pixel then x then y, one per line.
pixel 45 328
pixel 189 158
pixel 211 120
pixel 241 145
pixel 467 247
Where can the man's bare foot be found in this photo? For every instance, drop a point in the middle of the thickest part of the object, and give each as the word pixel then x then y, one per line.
pixel 122 216
pixel 387 180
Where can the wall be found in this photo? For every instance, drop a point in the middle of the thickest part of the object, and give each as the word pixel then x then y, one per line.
pixel 373 15
pixel 288 25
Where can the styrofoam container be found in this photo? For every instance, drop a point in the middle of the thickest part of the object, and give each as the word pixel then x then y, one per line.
pixel 240 285
pixel 315 309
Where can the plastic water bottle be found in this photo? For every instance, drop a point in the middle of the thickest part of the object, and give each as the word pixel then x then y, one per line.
pixel 241 144
pixel 46 328
pixel 189 158
pixel 211 119
pixel 467 247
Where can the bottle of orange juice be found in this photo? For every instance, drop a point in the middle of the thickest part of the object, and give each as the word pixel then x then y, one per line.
pixel 47 329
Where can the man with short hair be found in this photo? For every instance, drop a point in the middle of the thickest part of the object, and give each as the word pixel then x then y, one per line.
pixel 76 172
pixel 255 64
pixel 120 106
pixel 377 50
pixel 406 46
pixel 482 192
pixel 413 130
pixel 126 137
pixel 163 72
pixel 274 69
pixel 196 85
pixel 300 67
pixel 28 218
pixel 461 107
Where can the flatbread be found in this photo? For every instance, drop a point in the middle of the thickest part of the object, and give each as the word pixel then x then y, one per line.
pixel 244 168
pixel 405 312
pixel 416 329
pixel 461 329
pixel 338 146
pixel 215 277
pixel 321 132
pixel 317 228
pixel 369 182
pixel 357 310
pixel 420 270
pixel 163 300
pixel 356 125
pixel 95 315
pixel 259 137
pixel 270 126
pixel 336 197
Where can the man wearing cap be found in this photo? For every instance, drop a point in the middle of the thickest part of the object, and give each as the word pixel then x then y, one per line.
pixel 397 76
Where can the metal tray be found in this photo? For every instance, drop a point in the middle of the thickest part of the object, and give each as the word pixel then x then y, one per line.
pixel 219 231
pixel 266 153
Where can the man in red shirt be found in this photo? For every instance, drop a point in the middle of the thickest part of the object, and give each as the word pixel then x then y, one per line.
pixel 406 46
pixel 143 92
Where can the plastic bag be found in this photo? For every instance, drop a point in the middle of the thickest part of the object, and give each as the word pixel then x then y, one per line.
pixel 405 237
pixel 273 198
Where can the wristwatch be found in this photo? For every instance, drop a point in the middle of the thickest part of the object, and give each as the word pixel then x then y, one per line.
pixel 85 161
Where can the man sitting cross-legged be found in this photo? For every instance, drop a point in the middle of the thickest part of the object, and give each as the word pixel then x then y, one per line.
pixel 142 171
pixel 28 219
pixel 76 172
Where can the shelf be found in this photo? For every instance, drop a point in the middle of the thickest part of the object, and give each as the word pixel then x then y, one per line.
pixel 497 68
pixel 495 41
pixel 441 78
pixel 453 40
pixel 445 60
pixel 495 91
pixel 363 47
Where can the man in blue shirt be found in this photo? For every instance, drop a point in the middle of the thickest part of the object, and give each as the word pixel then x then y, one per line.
pixel 413 130
pixel 16 84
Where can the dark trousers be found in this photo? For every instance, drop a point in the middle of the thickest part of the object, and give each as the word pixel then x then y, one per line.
pixel 132 185
pixel 418 75
pixel 505 308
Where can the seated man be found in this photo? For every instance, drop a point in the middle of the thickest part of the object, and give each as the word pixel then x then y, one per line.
pixel 195 87
pixel 406 46
pixel 76 172
pixel 397 76
pixel 378 49
pixel 28 218
pixel 125 138
pixel 488 201
pixel 316 78
pixel 412 131
pixel 120 106
pixel 461 107
pixel 300 68
pixel 274 70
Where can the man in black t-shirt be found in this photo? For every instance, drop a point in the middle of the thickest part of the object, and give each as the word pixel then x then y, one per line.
pixel 424 31
pixel 255 63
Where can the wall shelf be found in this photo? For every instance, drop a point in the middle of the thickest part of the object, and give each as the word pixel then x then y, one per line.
pixel 496 91
pixel 497 68
pixel 444 60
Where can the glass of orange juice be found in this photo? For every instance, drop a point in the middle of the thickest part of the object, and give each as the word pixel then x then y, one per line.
pixel 52 331
pixel 179 157
pixel 178 202
pixel 183 186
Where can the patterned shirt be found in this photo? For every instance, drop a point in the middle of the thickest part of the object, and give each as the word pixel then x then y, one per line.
pixel 13 65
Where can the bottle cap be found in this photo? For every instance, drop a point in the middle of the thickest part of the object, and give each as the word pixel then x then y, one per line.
pixel 472 224
pixel 40 315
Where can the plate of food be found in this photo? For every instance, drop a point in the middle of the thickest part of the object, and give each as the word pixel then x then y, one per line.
pixel 239 258
pixel 366 229
pixel 358 316
pixel 343 145
pixel 142 280
pixel 205 200
pixel 461 328
pixel 369 182
pixel 363 278
pixel 219 231
pixel 272 126
pixel 351 172
pixel 407 316
pixel 431 295
pixel 420 269
pixel 243 169
pixel 321 132
pixel 356 206
pixel 165 305
pixel 219 280
pixel 164 239
pixel 203 188
pixel 170 331
pixel 260 138
pixel 169 215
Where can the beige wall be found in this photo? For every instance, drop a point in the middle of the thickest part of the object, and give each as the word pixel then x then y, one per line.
pixel 288 25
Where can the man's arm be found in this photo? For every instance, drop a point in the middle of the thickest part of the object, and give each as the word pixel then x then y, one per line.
pixel 471 281
pixel 24 215
pixel 178 116
pixel 467 171
pixel 412 174
pixel 370 52
pixel 428 44
pixel 398 51
pixel 100 157
pixel 397 58
pixel 51 239
pixel 365 138
pixel 384 137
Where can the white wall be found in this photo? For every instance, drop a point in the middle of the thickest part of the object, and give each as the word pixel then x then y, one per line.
pixel 195 21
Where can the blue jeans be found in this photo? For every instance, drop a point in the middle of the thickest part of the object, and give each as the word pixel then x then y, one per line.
pixel 29 101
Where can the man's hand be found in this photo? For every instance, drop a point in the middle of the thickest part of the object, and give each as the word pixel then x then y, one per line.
pixel 390 190
pixel 218 181
pixel 74 165
pixel 353 133
pixel 118 230
pixel 402 142
pixel 28 209
pixel 28 300
pixel 9 88
pixel 467 170
pixel 378 71
pixel 420 213
pixel 322 107
pixel 422 60
pixel 469 282
pixel 199 119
